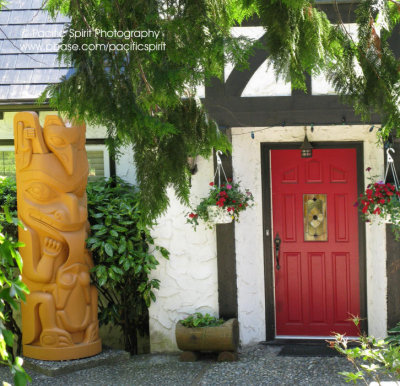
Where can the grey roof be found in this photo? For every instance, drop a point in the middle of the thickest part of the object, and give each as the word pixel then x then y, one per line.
pixel 28 51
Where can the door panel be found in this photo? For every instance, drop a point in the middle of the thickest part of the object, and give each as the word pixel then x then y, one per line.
pixel 317 285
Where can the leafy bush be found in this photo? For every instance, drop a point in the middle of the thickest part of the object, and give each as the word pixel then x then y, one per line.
pixel 200 320
pixel 371 358
pixel 394 335
pixel 11 290
pixel 8 198
pixel 122 251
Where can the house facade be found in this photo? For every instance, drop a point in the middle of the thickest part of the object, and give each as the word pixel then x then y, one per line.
pixel 301 260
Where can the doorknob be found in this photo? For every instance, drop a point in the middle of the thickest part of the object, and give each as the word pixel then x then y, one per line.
pixel 277 242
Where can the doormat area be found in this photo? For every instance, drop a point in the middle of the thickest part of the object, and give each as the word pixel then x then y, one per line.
pixel 308 351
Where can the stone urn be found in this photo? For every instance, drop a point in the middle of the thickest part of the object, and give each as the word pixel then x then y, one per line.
pixel 223 339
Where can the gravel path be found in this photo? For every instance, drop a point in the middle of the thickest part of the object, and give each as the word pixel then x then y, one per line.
pixel 257 365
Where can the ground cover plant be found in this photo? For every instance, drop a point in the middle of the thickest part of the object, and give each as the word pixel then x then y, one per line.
pixel 373 359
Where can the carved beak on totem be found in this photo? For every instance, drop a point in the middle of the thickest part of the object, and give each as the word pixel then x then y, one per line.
pixel 67 156
pixel 63 142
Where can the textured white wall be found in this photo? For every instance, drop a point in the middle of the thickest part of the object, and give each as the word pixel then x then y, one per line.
pixel 125 166
pixel 248 233
pixel 189 281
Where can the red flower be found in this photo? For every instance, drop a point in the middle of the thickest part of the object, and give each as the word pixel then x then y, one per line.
pixel 365 209
pixel 381 201
pixel 229 179
pixel 377 210
pixel 211 184
pixel 192 215
pixel 233 201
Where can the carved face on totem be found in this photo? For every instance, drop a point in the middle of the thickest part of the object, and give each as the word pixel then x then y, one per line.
pixel 54 182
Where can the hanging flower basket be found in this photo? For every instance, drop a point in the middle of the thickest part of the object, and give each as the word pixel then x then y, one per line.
pixel 222 205
pixel 381 200
pixel 224 201
pixel 218 215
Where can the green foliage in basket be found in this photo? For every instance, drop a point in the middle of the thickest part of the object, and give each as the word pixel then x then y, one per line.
pixel 200 320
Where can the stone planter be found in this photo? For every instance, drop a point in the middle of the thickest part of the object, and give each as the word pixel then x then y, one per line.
pixel 218 215
pixel 223 339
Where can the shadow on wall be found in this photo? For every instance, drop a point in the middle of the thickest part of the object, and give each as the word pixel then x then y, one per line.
pixel 393 278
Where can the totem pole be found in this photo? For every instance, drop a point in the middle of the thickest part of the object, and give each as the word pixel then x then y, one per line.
pixel 59 318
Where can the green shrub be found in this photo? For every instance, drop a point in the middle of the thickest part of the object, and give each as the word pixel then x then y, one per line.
pixel 122 251
pixel 8 198
pixel 394 335
pixel 200 320
pixel 12 289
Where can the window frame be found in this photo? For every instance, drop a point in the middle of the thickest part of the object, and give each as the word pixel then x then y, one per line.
pixel 88 146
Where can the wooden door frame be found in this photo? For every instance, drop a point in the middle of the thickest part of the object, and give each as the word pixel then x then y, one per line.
pixel 267 226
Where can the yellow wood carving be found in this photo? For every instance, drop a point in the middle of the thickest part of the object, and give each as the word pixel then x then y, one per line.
pixel 59 318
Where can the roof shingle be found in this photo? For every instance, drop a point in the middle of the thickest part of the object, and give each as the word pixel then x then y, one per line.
pixel 28 50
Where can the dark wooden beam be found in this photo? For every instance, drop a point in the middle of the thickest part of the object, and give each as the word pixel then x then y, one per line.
pixel 226 260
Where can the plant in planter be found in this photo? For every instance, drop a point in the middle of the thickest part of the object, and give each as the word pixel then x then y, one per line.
pixel 381 199
pixel 200 320
pixel 222 205
pixel 204 333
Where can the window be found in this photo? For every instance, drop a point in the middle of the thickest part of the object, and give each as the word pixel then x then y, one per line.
pixel 7 163
pixel 99 164
pixel 99 161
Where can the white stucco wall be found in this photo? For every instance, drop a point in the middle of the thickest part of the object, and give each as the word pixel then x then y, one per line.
pixel 248 233
pixel 189 281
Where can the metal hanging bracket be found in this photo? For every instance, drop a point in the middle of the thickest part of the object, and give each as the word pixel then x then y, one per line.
pixel 219 168
pixel 390 165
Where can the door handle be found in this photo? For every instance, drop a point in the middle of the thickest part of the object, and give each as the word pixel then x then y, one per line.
pixel 277 242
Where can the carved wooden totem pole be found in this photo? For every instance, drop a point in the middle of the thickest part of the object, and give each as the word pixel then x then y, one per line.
pixel 59 318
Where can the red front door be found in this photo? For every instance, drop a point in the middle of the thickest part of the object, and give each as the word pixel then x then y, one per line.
pixel 317 285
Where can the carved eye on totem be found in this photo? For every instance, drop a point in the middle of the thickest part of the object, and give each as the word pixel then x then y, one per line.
pixel 57 141
pixel 40 191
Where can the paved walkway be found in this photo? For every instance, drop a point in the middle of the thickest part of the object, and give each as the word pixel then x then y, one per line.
pixel 257 365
